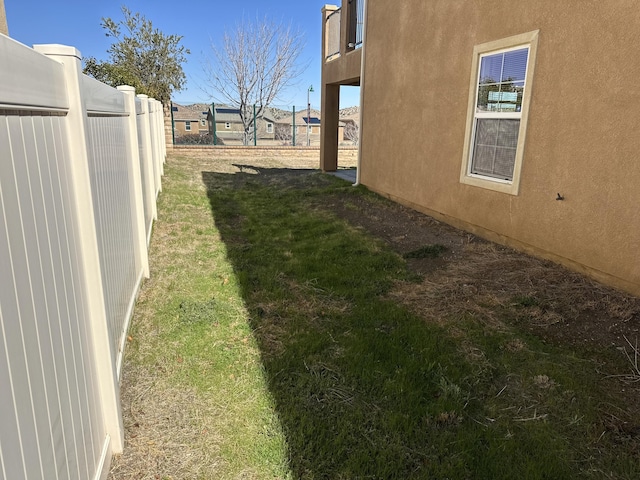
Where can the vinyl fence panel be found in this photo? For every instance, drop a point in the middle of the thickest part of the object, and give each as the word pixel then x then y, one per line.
pixel 73 234
pixel 113 204
pixel 43 309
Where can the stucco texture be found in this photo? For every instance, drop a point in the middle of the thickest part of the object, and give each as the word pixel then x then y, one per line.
pixel 582 139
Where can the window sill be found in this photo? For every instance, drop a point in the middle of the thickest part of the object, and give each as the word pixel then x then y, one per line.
pixel 495 184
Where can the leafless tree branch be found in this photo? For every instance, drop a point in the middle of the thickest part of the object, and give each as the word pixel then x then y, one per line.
pixel 254 64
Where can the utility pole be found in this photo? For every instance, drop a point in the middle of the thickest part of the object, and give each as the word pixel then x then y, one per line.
pixel 309 90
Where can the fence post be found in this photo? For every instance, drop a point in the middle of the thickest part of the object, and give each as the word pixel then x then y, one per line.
pixel 146 164
pixel 163 144
pixel 255 127
pixel 173 127
pixel 145 135
pixel 158 127
pixel 213 117
pixel 155 144
pixel 139 227
pixel 103 353
pixel 294 126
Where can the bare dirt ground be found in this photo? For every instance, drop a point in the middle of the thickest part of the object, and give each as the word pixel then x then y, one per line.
pixel 567 307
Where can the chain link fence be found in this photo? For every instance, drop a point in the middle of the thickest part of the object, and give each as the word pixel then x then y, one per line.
pixel 218 124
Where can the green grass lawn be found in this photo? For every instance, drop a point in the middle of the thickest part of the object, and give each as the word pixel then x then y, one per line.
pixel 275 317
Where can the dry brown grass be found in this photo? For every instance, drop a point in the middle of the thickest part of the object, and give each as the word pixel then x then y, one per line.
pixel 167 431
pixel 488 281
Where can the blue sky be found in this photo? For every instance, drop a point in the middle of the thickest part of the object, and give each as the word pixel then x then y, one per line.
pixel 77 23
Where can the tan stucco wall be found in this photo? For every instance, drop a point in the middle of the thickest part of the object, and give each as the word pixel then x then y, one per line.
pixel 234 127
pixel 583 135
pixel 344 69
pixel 180 127
pixel 3 19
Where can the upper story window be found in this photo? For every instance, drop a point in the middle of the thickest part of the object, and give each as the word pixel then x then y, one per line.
pixel 227 125
pixel 203 122
pixel 187 126
pixel 498 105
pixel 269 127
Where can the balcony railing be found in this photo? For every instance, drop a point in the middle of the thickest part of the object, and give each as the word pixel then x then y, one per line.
pixel 356 23
pixel 344 28
pixel 332 27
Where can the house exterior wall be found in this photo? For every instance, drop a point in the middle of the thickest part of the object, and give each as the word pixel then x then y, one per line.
pixel 236 129
pixel 234 132
pixel 180 127
pixel 233 127
pixel 582 135
pixel 202 129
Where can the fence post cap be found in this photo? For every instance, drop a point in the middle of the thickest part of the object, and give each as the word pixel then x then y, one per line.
pixel 56 49
pixel 126 88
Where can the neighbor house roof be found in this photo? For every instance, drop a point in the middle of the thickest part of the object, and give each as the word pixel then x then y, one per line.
pixel 195 112
pixel 232 115
pixel 301 118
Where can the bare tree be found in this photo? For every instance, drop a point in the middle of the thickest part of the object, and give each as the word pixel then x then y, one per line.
pixel 351 132
pixel 284 133
pixel 254 64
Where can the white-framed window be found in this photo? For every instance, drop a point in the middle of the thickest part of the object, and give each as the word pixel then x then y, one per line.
pixel 187 126
pixel 499 97
pixel 203 122
pixel 269 127
pixel 227 125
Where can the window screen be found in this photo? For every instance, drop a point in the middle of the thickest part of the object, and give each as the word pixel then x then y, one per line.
pixel 501 83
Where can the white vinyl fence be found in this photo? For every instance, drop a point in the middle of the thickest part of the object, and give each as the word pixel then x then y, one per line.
pixel 80 169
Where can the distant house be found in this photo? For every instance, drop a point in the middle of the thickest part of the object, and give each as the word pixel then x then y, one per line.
pixel 227 123
pixel 349 127
pixel 190 119
pixel 304 124
pixel 519 124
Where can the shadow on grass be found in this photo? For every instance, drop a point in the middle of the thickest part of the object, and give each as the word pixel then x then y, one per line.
pixel 363 388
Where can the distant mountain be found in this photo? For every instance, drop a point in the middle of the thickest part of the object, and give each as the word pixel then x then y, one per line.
pixel 277 113
pixel 349 112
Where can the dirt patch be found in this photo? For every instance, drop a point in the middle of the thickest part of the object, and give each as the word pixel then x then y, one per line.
pixel 472 274
pixel 503 288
